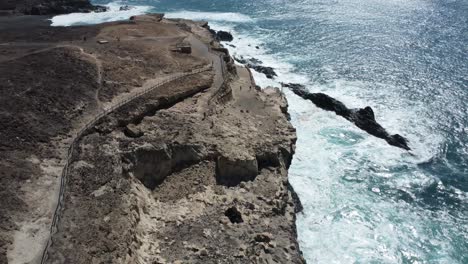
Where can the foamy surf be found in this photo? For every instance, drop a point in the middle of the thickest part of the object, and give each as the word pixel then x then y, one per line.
pixel 249 47
pixel 365 201
pixel 211 16
pixel 335 160
pixel 113 14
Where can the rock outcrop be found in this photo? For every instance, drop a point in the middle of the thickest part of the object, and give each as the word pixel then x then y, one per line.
pixel 363 118
pixel 224 36
pixel 218 35
pixel 189 167
pixel 268 71
pixel 256 65
pixel 49 7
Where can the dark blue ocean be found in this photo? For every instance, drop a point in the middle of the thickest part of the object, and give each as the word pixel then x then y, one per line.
pixel 364 201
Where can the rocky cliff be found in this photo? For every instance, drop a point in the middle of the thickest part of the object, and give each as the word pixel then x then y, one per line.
pixel 47 7
pixel 119 144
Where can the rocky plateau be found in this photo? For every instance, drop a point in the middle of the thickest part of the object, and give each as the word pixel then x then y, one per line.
pixel 138 141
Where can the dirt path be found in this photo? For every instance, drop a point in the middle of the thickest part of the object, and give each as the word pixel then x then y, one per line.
pixel 25 247
pixel 201 49
pixel 150 85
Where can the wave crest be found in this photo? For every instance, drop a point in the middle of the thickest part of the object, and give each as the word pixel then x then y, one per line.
pixel 211 16
pixel 113 14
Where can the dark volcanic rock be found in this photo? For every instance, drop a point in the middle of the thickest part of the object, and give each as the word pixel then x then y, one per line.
pixel 240 60
pixel 363 118
pixel 224 36
pixel 252 61
pixel 125 8
pixel 256 64
pixel 7 4
pixel 268 71
pixel 219 35
pixel 53 7
pixel 298 207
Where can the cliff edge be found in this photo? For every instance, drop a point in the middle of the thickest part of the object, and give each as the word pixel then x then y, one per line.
pixel 47 7
pixel 140 142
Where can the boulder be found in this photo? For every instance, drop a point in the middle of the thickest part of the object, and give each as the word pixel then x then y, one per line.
pixel 125 8
pixel 224 36
pixel 133 131
pixel 240 60
pixel 220 35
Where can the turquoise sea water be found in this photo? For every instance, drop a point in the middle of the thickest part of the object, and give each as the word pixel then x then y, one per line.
pixel 364 201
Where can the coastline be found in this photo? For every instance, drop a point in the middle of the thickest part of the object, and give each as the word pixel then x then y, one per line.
pixel 267 146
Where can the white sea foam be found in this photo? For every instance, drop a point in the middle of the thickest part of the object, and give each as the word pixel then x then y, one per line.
pixel 397 116
pixel 345 219
pixel 248 47
pixel 331 150
pixel 211 16
pixel 113 14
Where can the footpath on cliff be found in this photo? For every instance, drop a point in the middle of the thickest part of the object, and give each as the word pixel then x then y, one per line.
pixel 194 171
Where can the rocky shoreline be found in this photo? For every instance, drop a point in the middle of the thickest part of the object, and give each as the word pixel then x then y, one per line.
pixel 52 7
pixel 363 118
pixel 190 167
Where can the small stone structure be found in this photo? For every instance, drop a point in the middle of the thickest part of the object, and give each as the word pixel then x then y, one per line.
pixel 183 47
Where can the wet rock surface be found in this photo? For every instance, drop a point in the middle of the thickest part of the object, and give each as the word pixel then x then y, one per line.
pixel 363 118
pixel 268 71
pixel 256 65
pixel 219 35
pixel 224 36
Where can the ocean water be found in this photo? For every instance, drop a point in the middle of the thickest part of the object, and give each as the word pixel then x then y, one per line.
pixel 364 201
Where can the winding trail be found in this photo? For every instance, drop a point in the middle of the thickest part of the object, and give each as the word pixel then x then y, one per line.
pixel 199 49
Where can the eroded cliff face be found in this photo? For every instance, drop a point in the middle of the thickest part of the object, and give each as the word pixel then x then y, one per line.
pixel 193 171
